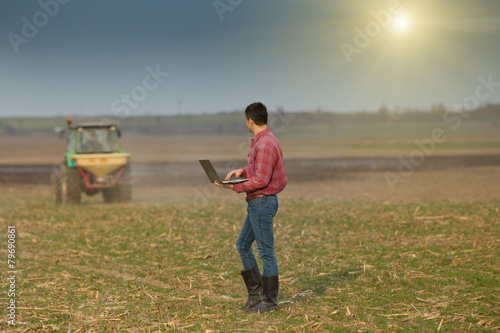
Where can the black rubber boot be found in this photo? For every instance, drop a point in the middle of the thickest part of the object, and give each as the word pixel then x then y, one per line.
pixel 253 282
pixel 270 288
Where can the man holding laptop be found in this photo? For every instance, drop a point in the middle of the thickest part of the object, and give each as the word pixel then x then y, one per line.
pixel 267 177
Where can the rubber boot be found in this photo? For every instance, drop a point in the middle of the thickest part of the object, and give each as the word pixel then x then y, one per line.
pixel 270 288
pixel 253 282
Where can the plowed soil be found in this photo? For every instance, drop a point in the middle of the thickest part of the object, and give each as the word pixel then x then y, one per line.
pixel 166 169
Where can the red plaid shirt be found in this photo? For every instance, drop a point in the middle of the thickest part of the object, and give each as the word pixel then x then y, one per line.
pixel 265 170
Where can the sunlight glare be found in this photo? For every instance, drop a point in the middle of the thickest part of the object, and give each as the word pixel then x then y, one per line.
pixel 401 23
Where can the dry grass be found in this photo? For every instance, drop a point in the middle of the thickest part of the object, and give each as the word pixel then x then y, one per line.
pixel 344 265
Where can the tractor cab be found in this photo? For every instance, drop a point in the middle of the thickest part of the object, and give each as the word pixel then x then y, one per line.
pixel 93 139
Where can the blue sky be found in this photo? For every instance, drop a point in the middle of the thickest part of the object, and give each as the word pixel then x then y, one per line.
pixel 94 57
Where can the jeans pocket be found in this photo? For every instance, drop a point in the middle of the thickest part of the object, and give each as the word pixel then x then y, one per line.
pixel 272 208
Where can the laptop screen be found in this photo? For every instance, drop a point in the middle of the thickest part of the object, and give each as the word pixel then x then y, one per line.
pixel 210 171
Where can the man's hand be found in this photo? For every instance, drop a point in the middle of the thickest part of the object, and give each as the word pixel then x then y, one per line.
pixel 235 173
pixel 228 186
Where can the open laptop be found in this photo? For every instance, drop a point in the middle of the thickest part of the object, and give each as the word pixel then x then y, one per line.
pixel 213 176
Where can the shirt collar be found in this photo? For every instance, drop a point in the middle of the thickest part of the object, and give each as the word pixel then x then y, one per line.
pixel 260 134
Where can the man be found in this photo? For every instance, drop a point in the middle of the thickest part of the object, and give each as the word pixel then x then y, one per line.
pixel 266 177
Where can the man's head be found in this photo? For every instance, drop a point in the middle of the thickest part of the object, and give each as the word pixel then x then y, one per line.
pixel 257 112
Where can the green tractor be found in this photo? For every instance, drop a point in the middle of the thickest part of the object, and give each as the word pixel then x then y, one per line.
pixel 93 163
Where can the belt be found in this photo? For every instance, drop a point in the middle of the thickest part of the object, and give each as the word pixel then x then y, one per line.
pixel 253 196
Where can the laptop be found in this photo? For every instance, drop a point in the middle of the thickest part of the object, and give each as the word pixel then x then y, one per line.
pixel 213 176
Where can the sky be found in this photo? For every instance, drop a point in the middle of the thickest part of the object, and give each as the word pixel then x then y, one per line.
pixel 132 58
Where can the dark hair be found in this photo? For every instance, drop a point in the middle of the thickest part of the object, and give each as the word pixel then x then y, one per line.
pixel 257 112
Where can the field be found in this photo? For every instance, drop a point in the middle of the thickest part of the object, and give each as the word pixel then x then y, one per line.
pixel 351 265
pixel 355 254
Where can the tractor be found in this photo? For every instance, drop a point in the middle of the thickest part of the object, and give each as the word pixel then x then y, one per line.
pixel 93 163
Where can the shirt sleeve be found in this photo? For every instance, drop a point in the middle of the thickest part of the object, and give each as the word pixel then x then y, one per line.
pixel 264 164
pixel 245 171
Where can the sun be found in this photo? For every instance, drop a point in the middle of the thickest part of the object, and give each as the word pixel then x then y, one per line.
pixel 401 23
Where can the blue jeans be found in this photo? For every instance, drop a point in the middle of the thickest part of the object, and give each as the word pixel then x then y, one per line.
pixel 258 227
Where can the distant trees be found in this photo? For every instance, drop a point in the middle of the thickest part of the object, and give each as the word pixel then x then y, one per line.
pixel 231 123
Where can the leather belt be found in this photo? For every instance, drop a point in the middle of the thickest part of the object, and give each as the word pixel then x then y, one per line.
pixel 253 196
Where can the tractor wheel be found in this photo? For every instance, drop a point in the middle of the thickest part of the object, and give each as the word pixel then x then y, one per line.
pixel 73 190
pixel 124 186
pixel 122 191
pixel 56 186
pixel 107 195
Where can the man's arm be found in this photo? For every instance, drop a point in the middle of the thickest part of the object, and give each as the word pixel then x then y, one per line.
pixel 265 160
